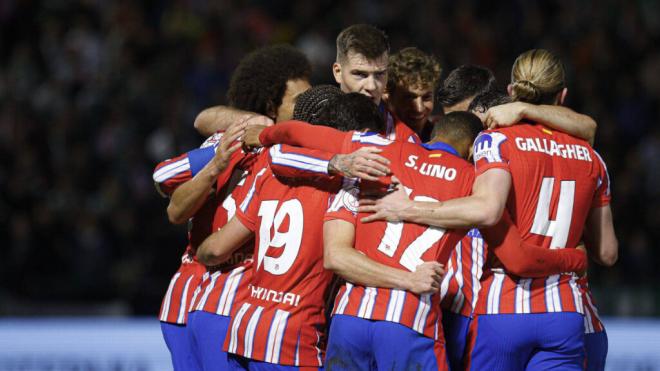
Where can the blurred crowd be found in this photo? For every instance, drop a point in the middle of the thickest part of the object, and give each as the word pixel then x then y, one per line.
pixel 93 94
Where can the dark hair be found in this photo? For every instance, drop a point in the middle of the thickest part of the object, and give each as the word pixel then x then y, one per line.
pixel 411 67
pixel 352 111
pixel 489 98
pixel 458 126
pixel 362 39
pixel 464 82
pixel 310 103
pixel 259 82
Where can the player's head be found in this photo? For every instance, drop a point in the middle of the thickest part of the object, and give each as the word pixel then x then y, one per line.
pixel 538 77
pixel 462 85
pixel 412 79
pixel 352 111
pixel 361 64
pixel 268 80
pixel 490 98
pixel 310 103
pixel 457 128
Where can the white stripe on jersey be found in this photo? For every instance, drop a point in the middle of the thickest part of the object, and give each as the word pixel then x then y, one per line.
pixel 494 293
pixel 577 296
pixel 523 303
pixel 477 268
pixel 236 324
pixel 552 300
pixel 297 161
pixel 460 297
pixel 395 305
pixel 207 291
pixel 370 139
pixel 444 285
pixel 318 350
pixel 191 307
pixel 343 302
pixel 275 335
pixel 250 194
pixel 589 324
pixel 183 308
pixel 422 313
pixel 250 330
pixel 229 291
pixel 168 297
pixel 296 360
pixel 368 301
pixel 171 170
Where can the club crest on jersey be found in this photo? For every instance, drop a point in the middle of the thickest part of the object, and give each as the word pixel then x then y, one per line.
pixel 487 146
pixel 349 198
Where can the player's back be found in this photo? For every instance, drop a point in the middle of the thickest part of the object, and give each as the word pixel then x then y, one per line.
pixel 282 321
pixel 555 178
pixel 426 176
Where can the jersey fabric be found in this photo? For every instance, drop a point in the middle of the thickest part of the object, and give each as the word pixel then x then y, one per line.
pixel 428 176
pixel 282 321
pixel 556 180
pixel 595 337
pixel 397 130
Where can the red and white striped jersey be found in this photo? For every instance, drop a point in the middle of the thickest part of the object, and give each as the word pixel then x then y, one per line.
pixel 397 130
pixel 460 286
pixel 214 213
pixel 556 180
pixel 427 176
pixel 592 322
pixel 282 321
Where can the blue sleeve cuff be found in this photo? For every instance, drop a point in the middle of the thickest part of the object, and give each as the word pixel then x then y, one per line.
pixel 199 158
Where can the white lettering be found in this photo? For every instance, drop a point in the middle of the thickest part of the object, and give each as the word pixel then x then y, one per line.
pixel 551 148
pixel 265 294
pixel 412 159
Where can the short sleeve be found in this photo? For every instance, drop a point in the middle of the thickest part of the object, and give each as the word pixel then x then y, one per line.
pixel 344 204
pixel 491 151
pixel 602 197
pixel 248 209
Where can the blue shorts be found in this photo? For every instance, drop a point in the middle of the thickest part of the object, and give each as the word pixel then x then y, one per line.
pixel 207 333
pixel 595 345
pixel 238 363
pixel 176 338
pixel 456 328
pixel 360 344
pixel 539 341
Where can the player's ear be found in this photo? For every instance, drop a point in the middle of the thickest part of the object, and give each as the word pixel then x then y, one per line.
pixel 336 71
pixel 562 96
pixel 509 89
pixel 271 111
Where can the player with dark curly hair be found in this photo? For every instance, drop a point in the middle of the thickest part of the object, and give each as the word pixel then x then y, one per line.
pixel 311 103
pixel 263 88
pixel 413 77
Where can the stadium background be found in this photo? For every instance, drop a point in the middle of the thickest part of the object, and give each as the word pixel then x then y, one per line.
pixel 94 93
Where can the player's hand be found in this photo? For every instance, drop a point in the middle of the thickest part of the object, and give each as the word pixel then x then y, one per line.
pixel 228 145
pixel 251 137
pixel 389 207
pixel 426 278
pixel 365 163
pixel 255 119
pixel 504 115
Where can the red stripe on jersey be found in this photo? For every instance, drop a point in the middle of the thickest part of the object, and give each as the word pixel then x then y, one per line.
pixel 174 308
pixel 592 322
pixel 460 286
pixel 219 290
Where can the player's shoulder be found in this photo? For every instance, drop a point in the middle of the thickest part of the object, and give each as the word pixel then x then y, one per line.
pixel 370 138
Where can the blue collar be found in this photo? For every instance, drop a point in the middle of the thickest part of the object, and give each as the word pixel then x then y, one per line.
pixel 441 146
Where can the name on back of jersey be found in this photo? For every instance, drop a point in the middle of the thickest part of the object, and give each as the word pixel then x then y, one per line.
pixel 552 148
pixel 433 170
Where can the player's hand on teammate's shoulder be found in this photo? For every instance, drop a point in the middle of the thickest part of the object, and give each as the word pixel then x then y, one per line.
pixel 426 278
pixel 364 163
pixel 251 137
pixel 505 115
pixel 228 145
pixel 389 207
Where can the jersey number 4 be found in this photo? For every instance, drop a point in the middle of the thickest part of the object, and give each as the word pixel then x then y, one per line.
pixel 559 228
pixel 412 256
pixel 289 241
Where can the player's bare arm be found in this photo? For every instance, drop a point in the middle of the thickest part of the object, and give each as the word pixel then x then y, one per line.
pixel 340 256
pixel 481 209
pixel 599 236
pixel 217 118
pixel 219 246
pixel 557 117
pixel 190 196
